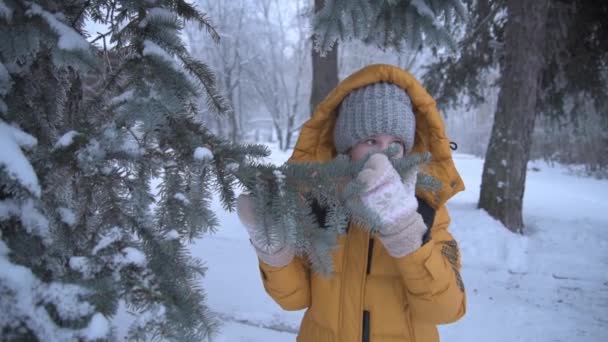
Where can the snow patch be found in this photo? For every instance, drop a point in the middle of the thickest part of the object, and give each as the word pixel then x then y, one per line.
pixel 112 236
pixel 64 297
pixel 133 256
pixel 172 235
pixel 20 137
pixel 125 96
pixel 131 147
pixel 203 153
pixel 153 49
pixel 280 177
pixel 67 216
pixel 27 296
pixel 34 222
pixel 90 155
pixel 66 140
pixel 181 197
pixel 98 328
pixel 154 315
pixel 12 159
pixel 233 167
pixel 9 208
pixel 79 264
pixel 69 39
pixel 106 170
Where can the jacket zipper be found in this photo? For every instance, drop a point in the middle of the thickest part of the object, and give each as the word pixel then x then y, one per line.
pixel 370 250
pixel 366 326
pixel 367 314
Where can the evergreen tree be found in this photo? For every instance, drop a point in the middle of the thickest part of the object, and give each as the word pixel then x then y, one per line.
pixel 86 134
pixel 575 52
pixel 570 53
pixel 387 24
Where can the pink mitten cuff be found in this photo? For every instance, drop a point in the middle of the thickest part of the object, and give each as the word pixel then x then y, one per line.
pixel 407 237
pixel 277 259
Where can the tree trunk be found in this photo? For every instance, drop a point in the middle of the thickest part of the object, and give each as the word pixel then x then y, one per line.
pixel 279 132
pixel 289 131
pixel 232 117
pixel 324 70
pixel 504 170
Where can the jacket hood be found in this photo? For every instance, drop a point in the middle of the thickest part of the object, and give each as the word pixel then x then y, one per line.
pixel 315 142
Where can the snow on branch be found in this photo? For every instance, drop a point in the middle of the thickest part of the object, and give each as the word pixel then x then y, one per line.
pixel 69 39
pixel 5 11
pixel 158 14
pixel 66 140
pixel 203 153
pixel 153 49
pixel 29 297
pixel 13 161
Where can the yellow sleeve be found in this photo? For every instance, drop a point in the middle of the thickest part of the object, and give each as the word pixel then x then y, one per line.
pixel 431 276
pixel 289 285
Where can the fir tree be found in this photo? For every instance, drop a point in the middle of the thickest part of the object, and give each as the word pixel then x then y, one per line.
pixel 575 58
pixel 91 137
pixel 387 24
pixel 566 78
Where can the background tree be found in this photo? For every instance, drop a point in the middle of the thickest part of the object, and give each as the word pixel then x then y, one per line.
pixel 324 69
pixel 235 24
pixel 504 172
pixel 570 97
pixel 264 69
pixel 281 74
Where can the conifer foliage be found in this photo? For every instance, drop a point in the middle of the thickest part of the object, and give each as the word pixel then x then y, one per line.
pixel 106 170
pixel 387 24
pixel 289 199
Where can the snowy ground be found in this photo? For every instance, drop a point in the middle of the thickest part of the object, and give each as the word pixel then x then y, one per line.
pixel 550 285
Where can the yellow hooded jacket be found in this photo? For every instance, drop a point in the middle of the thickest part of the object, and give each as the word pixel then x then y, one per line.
pixel 372 296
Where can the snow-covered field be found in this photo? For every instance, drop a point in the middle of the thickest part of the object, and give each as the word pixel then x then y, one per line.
pixel 550 285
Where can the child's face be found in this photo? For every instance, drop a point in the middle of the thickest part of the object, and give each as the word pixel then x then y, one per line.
pixel 376 143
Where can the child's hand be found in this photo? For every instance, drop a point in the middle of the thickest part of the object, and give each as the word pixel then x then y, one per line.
pixel 277 255
pixel 385 193
pixel 395 203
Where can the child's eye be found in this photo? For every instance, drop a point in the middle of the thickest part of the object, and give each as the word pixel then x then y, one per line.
pixel 370 142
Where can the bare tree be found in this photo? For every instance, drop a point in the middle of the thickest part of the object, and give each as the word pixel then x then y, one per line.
pixel 228 58
pixel 279 74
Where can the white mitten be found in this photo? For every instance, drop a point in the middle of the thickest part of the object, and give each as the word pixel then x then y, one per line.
pixel 277 256
pixel 395 203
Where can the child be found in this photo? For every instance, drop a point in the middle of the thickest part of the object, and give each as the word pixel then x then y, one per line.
pixel 398 284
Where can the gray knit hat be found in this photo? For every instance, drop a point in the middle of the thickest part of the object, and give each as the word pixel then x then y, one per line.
pixel 378 108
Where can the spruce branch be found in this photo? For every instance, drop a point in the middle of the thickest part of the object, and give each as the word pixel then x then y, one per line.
pixel 190 12
pixel 285 195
